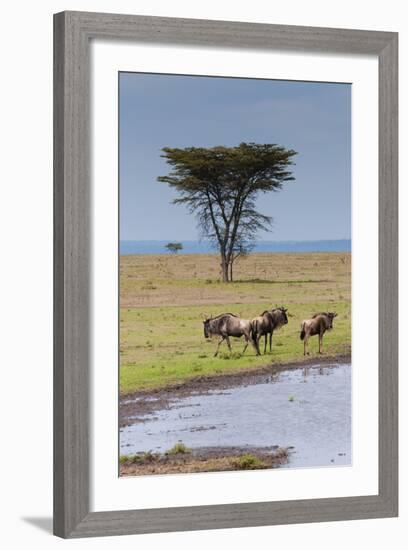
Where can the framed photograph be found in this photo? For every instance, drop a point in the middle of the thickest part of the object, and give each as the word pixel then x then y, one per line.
pixel 225 286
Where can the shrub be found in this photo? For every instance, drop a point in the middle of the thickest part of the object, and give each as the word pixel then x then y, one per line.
pixel 178 448
pixel 248 462
pixel 148 456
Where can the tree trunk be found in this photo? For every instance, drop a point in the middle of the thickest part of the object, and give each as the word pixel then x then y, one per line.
pixel 224 269
pixel 231 279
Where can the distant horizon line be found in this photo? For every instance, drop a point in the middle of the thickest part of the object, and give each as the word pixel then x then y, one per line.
pixel 206 247
pixel 260 241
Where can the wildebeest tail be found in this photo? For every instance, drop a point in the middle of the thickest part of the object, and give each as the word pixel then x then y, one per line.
pixel 302 332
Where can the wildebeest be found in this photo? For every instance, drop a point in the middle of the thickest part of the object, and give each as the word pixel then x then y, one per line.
pixel 318 324
pixel 226 325
pixel 266 323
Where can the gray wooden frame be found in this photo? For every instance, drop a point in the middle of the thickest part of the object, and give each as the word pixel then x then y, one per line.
pixel 72 34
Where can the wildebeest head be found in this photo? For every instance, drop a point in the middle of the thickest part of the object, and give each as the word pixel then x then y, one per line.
pixel 206 324
pixel 330 316
pixel 280 316
pixel 283 315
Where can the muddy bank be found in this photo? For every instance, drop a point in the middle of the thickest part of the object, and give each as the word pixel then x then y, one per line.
pixel 134 407
pixel 205 459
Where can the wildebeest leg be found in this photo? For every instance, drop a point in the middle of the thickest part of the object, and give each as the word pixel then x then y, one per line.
pixel 305 345
pixel 266 338
pixel 246 344
pixel 219 343
pixel 270 342
pixel 228 342
pixel 255 343
pixel 256 346
pixel 320 343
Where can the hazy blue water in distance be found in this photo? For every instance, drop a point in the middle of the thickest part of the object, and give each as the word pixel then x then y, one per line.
pixel 196 247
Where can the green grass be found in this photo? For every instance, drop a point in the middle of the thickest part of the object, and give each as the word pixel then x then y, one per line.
pixel 248 462
pixel 178 448
pixel 148 456
pixel 158 354
pixel 161 330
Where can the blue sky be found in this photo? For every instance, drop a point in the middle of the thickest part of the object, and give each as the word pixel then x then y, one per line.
pixel 180 111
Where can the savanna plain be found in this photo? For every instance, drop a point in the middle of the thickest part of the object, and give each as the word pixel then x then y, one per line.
pixel 164 298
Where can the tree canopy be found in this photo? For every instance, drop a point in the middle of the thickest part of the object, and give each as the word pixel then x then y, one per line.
pixel 220 185
pixel 174 247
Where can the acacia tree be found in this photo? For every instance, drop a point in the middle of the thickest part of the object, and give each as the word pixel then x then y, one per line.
pixel 220 185
pixel 174 247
